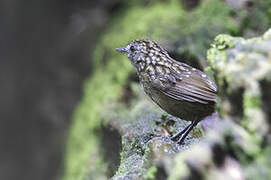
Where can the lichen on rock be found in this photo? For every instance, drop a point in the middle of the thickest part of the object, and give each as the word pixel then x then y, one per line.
pixel 239 146
pixel 241 67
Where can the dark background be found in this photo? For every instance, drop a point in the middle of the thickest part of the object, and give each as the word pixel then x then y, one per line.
pixel 45 48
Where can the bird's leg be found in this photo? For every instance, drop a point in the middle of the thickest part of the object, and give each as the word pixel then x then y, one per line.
pixel 179 134
pixel 183 135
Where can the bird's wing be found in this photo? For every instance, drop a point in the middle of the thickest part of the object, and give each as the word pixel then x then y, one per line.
pixel 192 86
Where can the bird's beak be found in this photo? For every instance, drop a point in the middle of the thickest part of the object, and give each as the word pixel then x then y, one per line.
pixel 122 49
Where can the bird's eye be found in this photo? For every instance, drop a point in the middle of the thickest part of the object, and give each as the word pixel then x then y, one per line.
pixel 132 48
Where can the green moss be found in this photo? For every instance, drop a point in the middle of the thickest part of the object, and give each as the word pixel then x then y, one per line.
pixel 208 70
pixel 180 169
pixel 267 6
pixel 162 21
pixel 196 37
pixel 251 101
pixel 102 86
pixel 151 172
pixel 254 119
pixel 223 41
pixel 261 168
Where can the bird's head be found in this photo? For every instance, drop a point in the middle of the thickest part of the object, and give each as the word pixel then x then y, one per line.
pixel 143 52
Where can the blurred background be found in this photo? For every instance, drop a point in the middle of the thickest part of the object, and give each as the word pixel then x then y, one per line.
pixel 58 66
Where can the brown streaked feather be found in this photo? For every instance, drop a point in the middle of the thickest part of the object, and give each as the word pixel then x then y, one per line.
pixel 192 87
pixel 191 94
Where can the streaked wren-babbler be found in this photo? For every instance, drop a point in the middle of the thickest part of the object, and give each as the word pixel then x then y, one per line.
pixel 179 89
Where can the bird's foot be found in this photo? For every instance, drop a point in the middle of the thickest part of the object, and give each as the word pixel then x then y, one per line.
pixel 180 136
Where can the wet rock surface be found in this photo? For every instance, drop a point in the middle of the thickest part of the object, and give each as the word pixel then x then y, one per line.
pixel 110 102
pixel 236 147
pixel 145 131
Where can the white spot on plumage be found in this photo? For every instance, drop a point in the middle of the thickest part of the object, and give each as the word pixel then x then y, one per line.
pixel 181 68
pixel 159 69
pixel 167 70
pixel 148 60
pixel 160 62
pixel 167 64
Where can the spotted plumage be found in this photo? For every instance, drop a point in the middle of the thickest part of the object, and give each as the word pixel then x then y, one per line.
pixel 179 89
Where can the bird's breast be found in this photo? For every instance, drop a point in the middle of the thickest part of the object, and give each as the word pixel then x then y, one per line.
pixel 153 93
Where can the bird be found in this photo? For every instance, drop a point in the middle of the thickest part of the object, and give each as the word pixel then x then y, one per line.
pixel 179 89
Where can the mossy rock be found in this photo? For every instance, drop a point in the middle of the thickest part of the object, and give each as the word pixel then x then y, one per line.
pixel 145 132
pixel 235 150
pixel 243 69
pixel 186 34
